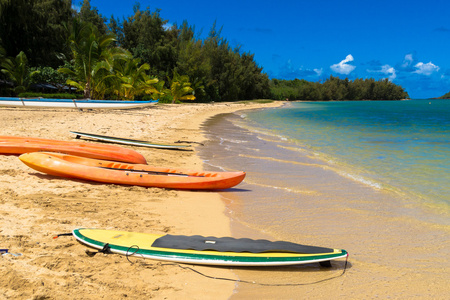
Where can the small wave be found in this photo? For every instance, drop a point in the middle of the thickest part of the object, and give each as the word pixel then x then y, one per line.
pixel 206 162
pixel 222 140
pixel 287 189
pixel 287 161
pixel 296 149
pixel 361 179
pixel 340 172
pixel 269 138
pixel 263 134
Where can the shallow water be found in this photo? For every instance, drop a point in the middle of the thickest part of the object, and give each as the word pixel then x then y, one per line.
pixel 398 144
pixel 397 238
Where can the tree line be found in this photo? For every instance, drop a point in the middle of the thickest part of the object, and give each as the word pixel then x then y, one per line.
pixel 140 56
pixel 445 96
pixel 51 42
pixel 335 88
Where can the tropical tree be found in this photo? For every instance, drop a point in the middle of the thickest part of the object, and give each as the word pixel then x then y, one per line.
pixel 18 71
pixel 90 14
pixel 145 35
pixel 88 49
pixel 36 28
pixel 193 61
pixel 180 88
pixel 133 79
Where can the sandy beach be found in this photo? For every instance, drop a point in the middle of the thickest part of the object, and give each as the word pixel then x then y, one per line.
pixel 35 207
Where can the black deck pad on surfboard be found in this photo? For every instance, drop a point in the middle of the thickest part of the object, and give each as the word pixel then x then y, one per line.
pixel 227 244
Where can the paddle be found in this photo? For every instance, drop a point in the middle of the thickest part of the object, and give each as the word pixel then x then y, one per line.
pixel 151 172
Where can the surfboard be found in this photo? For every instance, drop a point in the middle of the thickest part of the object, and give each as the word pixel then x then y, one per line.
pixel 125 141
pixel 15 145
pixel 129 174
pixel 205 250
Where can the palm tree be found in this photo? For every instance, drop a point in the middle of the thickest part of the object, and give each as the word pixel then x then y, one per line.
pixel 100 69
pixel 18 71
pixel 104 76
pixel 180 88
pixel 133 79
pixel 88 49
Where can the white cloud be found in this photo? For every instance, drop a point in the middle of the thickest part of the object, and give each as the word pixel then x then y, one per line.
pixel 318 71
pixel 408 60
pixel 343 67
pixel 386 70
pixel 425 69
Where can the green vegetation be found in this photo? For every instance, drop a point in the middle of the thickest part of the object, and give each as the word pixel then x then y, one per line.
pixel 445 96
pixel 337 89
pixel 50 96
pixel 136 58
pixel 140 57
pixel 17 70
pixel 180 88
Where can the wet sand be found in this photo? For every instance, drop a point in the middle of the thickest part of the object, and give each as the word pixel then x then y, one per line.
pixel 398 246
pixel 35 207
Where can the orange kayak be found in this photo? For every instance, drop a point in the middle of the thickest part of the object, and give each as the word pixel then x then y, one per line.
pixel 19 145
pixel 128 174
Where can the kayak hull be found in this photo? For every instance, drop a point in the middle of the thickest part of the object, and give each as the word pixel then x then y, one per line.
pixel 129 174
pixel 20 145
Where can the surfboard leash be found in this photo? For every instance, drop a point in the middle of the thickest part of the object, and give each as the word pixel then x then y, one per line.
pixel 62 234
pixel 105 250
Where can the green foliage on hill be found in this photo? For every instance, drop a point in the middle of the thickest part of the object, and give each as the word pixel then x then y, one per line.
pixel 445 96
pixel 337 89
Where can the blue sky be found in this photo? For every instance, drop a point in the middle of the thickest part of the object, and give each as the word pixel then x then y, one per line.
pixel 407 42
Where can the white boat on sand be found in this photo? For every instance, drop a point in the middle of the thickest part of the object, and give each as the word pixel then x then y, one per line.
pixel 73 103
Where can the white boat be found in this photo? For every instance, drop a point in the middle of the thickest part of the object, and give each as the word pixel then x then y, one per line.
pixel 73 103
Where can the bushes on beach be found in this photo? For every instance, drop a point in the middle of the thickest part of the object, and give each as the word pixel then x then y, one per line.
pixel 50 96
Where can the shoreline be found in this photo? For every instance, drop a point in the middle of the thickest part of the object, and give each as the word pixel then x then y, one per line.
pixel 387 235
pixel 35 207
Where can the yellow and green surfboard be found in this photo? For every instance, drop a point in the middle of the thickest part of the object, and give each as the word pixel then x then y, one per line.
pixel 206 250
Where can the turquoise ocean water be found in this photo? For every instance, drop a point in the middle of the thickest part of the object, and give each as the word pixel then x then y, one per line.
pixel 398 144
pixel 313 151
pixel 402 145
pixel 371 177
